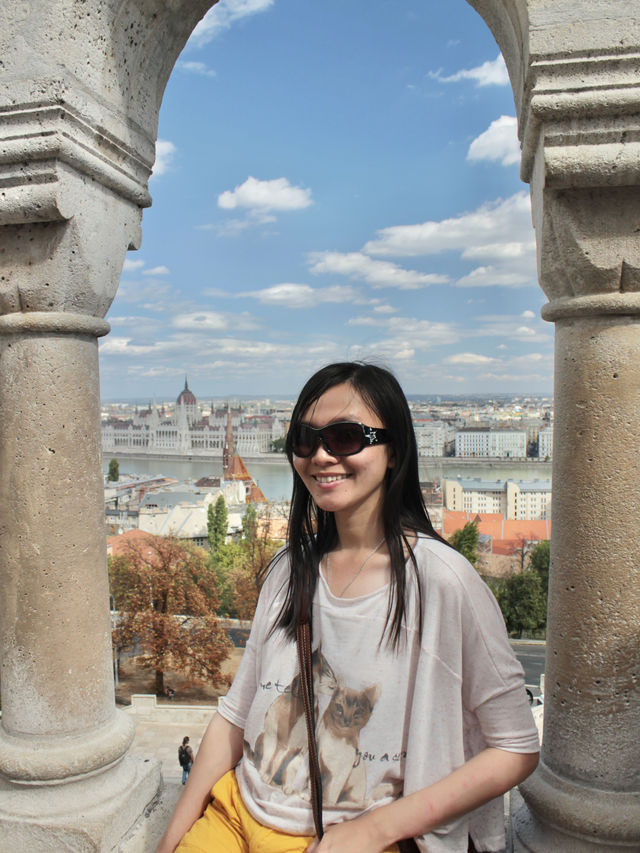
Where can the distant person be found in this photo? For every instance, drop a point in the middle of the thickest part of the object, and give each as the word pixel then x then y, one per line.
pixel 170 692
pixel 422 715
pixel 185 758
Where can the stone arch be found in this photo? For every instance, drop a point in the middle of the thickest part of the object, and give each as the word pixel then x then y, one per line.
pixel 80 91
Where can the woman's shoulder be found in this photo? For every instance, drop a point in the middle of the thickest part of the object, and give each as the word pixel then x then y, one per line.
pixel 278 568
pixel 440 562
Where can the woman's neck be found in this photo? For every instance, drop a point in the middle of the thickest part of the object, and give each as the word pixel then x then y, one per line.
pixel 357 533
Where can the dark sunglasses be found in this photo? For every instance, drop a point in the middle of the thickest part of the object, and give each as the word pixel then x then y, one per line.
pixel 344 438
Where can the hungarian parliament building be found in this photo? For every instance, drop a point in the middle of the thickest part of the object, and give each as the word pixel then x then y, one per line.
pixel 188 433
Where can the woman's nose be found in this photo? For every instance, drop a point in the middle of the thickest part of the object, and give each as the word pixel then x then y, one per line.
pixel 321 454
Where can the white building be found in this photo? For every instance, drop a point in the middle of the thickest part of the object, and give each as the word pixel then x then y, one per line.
pixel 545 443
pixel 472 442
pixel 431 437
pixel 528 500
pixel 187 432
pixel 508 443
pixel 487 442
pixel 524 500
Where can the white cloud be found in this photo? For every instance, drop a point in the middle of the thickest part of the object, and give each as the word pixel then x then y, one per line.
pixel 407 332
pixel 498 143
pixel 498 251
pixel 490 73
pixel 378 274
pixel 213 321
pixel 195 68
pixel 234 227
pixel 260 198
pixel 160 270
pixel 302 295
pixel 365 321
pixel 221 16
pixel 205 321
pixel 131 266
pixel 470 358
pixel 136 321
pixel 492 276
pixel 165 152
pixel 494 224
pixel 511 327
pixel 123 346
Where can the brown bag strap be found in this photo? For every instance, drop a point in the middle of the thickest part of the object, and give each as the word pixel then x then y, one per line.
pixel 303 636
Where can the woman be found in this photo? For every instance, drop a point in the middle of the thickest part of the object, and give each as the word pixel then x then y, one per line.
pixel 422 716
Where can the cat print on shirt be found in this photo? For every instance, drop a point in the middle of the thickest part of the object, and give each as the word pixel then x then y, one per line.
pixel 284 737
pixel 344 778
pixel 280 754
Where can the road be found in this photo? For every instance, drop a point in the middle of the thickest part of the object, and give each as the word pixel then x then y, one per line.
pixel 531 656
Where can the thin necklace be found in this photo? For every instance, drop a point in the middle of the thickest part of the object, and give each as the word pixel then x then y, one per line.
pixel 366 560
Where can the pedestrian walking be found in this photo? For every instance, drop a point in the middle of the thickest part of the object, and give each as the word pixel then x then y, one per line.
pixel 185 758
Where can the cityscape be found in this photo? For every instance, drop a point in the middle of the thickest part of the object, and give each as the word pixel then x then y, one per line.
pixel 482 460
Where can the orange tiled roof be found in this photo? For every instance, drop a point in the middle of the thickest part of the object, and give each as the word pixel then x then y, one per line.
pixel 237 470
pixel 255 495
pixel 506 535
pixel 117 544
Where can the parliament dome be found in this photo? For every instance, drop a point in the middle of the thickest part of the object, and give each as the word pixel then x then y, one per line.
pixel 186 396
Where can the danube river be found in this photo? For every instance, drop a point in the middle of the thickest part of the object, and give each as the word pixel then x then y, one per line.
pixel 274 476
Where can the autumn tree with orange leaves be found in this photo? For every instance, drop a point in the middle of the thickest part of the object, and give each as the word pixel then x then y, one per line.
pixel 166 596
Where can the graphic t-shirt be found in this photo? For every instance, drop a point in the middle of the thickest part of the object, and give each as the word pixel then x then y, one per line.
pixel 388 721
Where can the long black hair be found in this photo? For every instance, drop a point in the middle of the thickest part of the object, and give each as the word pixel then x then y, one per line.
pixel 312 531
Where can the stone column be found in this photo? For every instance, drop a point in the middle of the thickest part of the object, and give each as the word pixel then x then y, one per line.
pixel 79 100
pixel 579 110
pixel 585 795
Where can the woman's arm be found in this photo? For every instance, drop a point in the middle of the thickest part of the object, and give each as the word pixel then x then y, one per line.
pixel 220 751
pixel 487 775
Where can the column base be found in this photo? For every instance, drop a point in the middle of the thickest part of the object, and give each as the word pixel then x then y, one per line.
pixel 531 836
pixel 91 815
pixel 527 833
pixel 145 835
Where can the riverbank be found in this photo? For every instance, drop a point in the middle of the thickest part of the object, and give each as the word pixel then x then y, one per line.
pixel 444 462
pixel 273 474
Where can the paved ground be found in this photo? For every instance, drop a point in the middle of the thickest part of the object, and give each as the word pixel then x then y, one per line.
pixel 161 740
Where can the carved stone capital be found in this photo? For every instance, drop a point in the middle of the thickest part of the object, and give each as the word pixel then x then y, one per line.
pixel 588 248
pixel 79 102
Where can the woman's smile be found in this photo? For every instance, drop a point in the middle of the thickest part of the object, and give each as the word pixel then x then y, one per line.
pixel 327 479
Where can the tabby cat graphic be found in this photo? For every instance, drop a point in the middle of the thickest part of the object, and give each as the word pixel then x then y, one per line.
pixel 284 737
pixel 343 775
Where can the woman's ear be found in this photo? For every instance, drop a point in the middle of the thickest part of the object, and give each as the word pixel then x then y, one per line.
pixel 391 457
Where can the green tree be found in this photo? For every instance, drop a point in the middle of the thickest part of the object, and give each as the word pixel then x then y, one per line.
pixel 167 596
pixel 217 524
pixel 465 541
pixel 223 564
pixel 539 559
pixel 278 444
pixel 114 471
pixel 523 602
pixel 256 552
pixel 240 566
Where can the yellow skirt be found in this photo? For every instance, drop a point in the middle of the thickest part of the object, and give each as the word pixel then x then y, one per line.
pixel 227 827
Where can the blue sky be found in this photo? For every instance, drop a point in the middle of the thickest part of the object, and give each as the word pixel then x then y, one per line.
pixel 333 181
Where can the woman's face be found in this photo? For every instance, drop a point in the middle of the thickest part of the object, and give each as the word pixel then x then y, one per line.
pixel 345 484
